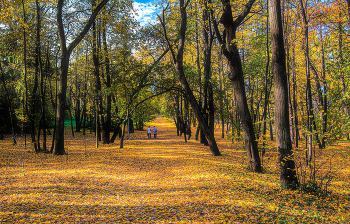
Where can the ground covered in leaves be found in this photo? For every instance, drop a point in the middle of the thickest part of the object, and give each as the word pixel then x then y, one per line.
pixel 163 180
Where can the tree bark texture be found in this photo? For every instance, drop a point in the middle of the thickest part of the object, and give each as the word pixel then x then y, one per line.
pixel 266 86
pixel 288 178
pixel 295 103
pixel 342 77
pixel 230 50
pixel 221 99
pixel 308 95
pixel 324 114
pixel 208 43
pixel 348 1
pixel 98 85
pixel 108 83
pixel 65 55
pixel 178 64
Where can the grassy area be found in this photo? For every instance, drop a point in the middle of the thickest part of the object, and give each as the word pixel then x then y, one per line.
pixel 163 180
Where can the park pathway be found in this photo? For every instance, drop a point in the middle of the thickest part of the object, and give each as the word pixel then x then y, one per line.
pixel 163 180
pixel 148 181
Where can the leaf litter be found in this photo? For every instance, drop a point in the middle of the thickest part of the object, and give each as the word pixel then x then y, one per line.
pixel 163 180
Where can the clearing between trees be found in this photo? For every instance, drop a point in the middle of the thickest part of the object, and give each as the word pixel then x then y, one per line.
pixel 163 180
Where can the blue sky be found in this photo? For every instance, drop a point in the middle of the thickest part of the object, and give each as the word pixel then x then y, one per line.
pixel 146 12
pixel 143 1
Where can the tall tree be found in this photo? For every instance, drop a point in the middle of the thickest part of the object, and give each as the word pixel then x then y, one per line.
pixel 341 65
pixel 107 82
pixel 9 101
pixel 229 48
pixel 177 58
pixel 348 1
pixel 208 38
pixel 98 86
pixel 266 84
pixel 65 56
pixel 288 178
pixel 295 103
pixel 221 96
pixel 39 72
pixel 308 81
pixel 30 109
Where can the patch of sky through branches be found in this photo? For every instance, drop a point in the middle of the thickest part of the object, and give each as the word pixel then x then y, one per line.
pixel 145 11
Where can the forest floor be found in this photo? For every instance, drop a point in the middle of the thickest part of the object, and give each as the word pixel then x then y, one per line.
pixel 163 180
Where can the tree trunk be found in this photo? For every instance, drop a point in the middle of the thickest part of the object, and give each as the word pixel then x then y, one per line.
pixel 199 79
pixel 39 73
pixel 342 80
pixel 324 114
pixel 43 102
pixel 221 100
pixel 178 64
pixel 185 116
pixel 69 107
pixel 237 78
pixel 85 116
pixel 98 86
pixel 54 105
pixel 266 86
pixel 177 114
pixel 196 109
pixel 108 83
pixel 65 56
pixel 77 104
pixel 295 103
pixel 308 95
pixel 123 130
pixel 61 106
pixel 286 33
pixel 117 132
pixel 9 101
pixel 288 178
pixel 197 133
pixel 31 110
pixel 348 1
pixel 208 43
pixel 270 124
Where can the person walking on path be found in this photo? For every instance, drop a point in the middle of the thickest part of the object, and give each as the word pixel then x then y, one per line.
pixel 154 131
pixel 149 132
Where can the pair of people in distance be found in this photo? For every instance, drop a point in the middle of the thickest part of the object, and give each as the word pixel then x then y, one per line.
pixel 149 131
